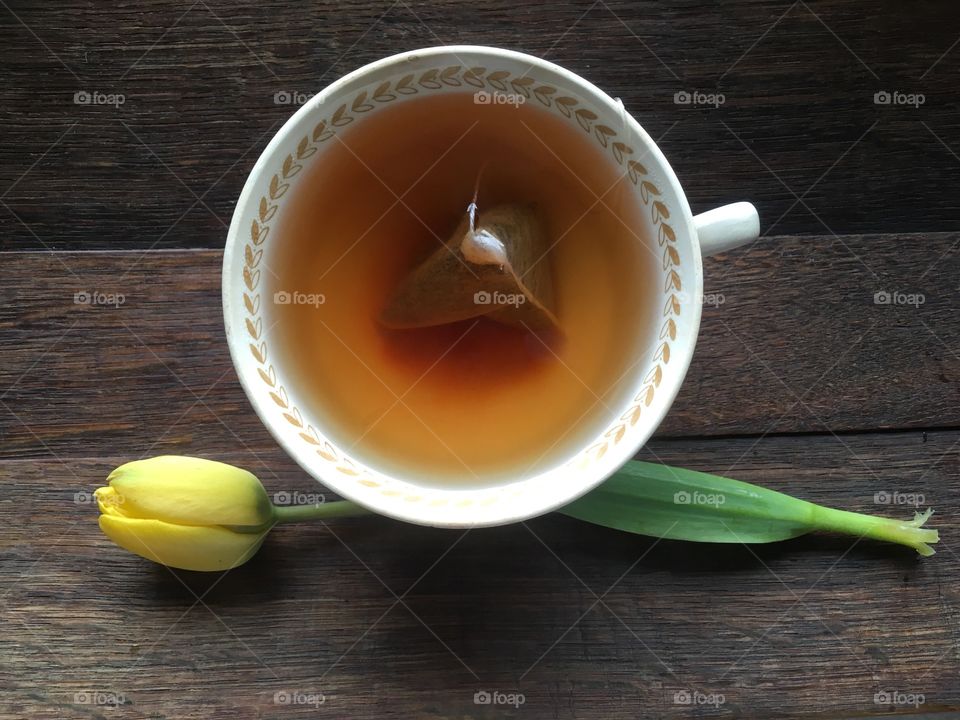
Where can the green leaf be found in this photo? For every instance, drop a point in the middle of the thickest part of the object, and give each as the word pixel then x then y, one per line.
pixel 678 504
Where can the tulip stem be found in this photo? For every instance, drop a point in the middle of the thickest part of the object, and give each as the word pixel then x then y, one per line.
pixel 903 532
pixel 299 513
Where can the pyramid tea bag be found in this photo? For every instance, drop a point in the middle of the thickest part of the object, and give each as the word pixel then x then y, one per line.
pixel 495 268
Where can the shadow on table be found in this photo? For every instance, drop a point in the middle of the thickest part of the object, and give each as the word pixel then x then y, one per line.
pixel 384 555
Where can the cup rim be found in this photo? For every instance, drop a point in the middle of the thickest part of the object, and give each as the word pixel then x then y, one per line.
pixel 589 476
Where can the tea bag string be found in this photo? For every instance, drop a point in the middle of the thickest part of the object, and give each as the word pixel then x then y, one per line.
pixel 472 207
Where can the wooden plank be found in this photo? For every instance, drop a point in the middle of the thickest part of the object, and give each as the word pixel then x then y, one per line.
pixel 165 168
pixel 813 627
pixel 797 346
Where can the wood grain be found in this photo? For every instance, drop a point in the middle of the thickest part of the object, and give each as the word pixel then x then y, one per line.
pixel 813 627
pixel 800 382
pixel 797 345
pixel 199 81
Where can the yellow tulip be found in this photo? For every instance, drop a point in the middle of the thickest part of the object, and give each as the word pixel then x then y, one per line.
pixel 185 512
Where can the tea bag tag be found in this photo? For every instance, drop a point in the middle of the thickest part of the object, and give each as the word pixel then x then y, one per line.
pixel 481 247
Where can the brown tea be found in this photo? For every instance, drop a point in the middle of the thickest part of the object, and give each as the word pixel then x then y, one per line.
pixel 472 401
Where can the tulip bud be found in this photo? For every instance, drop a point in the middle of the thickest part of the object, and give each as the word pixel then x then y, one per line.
pixel 186 512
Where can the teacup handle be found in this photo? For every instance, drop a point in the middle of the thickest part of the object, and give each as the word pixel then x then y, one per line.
pixel 727 227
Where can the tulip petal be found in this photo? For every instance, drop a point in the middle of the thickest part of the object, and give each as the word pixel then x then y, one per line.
pixel 190 491
pixel 187 547
pixel 108 501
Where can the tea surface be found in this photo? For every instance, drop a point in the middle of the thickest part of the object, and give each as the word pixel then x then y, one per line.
pixel 473 399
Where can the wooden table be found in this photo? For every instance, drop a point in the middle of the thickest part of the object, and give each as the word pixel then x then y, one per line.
pixel 801 381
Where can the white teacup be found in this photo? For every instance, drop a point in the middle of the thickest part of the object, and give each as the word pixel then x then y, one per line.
pixel 681 240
